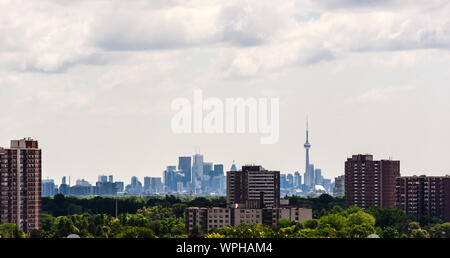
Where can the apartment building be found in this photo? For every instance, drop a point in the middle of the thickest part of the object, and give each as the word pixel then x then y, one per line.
pixel 20 189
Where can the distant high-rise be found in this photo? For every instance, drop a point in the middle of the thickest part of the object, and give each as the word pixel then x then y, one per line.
pixel 218 170
pixel 253 187
pixel 370 183
pixel 155 185
pixel 119 186
pixel 102 178
pixel 21 187
pixel 297 179
pixel 48 187
pixel 197 173
pixel 171 179
pixel 339 186
pixel 110 179
pixel 233 167
pixel 184 165
pixel 208 169
pixel 318 176
pixel 147 184
pixel 135 187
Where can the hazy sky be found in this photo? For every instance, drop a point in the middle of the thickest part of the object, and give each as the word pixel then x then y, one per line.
pixel 93 81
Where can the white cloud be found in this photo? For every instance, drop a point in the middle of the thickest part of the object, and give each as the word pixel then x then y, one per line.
pixel 382 94
pixel 52 36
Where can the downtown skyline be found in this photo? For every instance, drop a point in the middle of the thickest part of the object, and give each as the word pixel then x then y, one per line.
pixel 94 82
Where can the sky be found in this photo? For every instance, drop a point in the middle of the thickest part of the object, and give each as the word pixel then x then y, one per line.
pixel 93 81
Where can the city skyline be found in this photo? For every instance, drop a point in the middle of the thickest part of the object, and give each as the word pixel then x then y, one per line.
pixel 94 83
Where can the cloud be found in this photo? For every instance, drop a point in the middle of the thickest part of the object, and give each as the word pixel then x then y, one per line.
pixel 352 3
pixel 257 36
pixel 382 94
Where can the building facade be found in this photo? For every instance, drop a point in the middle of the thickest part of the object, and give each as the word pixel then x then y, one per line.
pixel 21 186
pixel 339 186
pixel 206 219
pixel 253 187
pixel 424 196
pixel 370 182
pixel 184 164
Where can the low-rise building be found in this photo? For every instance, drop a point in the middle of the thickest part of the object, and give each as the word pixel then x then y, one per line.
pixel 206 219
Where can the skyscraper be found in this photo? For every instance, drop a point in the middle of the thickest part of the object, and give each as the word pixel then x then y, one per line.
pixel 370 182
pixel 339 186
pixel 297 179
pixel 233 167
pixel 318 176
pixel 48 187
pixel 197 173
pixel 184 164
pixel 20 191
pixel 102 178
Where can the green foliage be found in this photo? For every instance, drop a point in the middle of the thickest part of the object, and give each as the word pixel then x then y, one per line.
pixel 321 205
pixel 163 216
pixel 440 230
pixel 361 218
pixel 246 231
pixel 135 232
pixel 311 223
pixel 284 223
pixel 8 230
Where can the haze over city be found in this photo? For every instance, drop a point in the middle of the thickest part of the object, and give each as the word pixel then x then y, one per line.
pixel 93 81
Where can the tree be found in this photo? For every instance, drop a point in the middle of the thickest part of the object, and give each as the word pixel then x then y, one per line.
pixel 284 223
pixel 415 231
pixel 135 232
pixel 360 231
pixel 335 221
pixel 214 235
pixel 311 223
pixel 389 232
pixel 9 230
pixel 64 226
pixel 36 233
pixel 440 230
pixel 361 218
pixel 178 209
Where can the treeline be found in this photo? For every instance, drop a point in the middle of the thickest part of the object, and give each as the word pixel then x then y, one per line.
pixel 61 205
pixel 320 205
pixel 147 222
pixel 339 223
pixel 163 217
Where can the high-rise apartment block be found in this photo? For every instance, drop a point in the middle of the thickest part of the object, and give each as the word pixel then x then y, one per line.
pixel 20 189
pixel 370 182
pixel 424 196
pixel 253 187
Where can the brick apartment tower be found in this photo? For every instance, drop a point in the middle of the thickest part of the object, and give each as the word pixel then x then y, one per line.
pixel 424 196
pixel 20 188
pixel 370 182
pixel 253 187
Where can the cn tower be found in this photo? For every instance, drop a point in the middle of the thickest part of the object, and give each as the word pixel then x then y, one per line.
pixel 307 146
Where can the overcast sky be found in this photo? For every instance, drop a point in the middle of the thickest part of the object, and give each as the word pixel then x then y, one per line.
pixel 93 81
